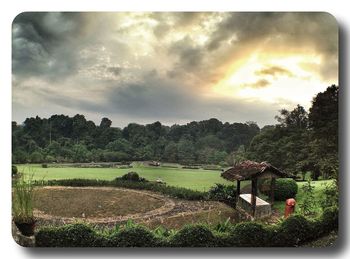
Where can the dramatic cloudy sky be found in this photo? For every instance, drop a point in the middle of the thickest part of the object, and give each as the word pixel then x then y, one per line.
pixel 171 67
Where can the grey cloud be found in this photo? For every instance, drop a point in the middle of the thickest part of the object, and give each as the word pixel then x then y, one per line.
pixel 49 47
pixel 274 71
pixel 317 31
pixel 261 83
pixel 116 71
pixel 159 99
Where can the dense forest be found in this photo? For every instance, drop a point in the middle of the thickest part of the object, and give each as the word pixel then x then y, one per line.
pixel 300 141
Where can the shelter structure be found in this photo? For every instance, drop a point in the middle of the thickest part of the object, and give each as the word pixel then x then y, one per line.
pixel 250 170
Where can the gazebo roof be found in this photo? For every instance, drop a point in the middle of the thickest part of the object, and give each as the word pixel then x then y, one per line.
pixel 248 170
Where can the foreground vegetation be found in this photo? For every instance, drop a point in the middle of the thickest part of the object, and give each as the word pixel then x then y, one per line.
pixel 294 231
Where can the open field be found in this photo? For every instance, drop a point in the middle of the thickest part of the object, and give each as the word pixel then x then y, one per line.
pixel 107 206
pixel 76 202
pixel 195 179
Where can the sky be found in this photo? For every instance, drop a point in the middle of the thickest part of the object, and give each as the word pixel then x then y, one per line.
pixel 170 67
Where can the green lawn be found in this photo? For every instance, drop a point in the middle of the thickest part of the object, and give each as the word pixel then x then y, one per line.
pixel 195 179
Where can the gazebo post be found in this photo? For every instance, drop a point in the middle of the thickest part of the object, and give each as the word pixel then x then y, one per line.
pixel 238 191
pixel 272 194
pixel 254 194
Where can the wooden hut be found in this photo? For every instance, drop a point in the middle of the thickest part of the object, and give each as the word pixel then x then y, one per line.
pixel 250 170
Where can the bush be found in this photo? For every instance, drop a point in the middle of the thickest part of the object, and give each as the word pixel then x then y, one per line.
pixel 72 235
pixel 136 236
pixel 223 193
pixel 193 236
pixel 293 231
pixel 131 176
pixel 36 157
pixel 75 182
pixel 330 218
pixel 285 188
pixel 249 234
pixel 44 166
pixel 14 170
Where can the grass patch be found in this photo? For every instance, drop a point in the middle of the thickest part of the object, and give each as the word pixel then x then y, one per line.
pixel 319 192
pixel 195 179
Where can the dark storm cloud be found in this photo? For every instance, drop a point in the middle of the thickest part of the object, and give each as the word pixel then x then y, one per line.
pixel 41 44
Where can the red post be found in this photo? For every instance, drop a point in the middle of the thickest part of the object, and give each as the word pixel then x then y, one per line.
pixel 289 209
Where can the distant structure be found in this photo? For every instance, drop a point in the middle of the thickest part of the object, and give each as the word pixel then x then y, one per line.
pixel 250 170
pixel 154 163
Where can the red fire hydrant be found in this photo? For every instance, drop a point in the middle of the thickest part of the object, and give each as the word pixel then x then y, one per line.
pixel 289 209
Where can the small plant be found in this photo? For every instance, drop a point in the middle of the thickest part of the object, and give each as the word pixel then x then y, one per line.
pixel 14 171
pixel 308 203
pixel 223 226
pixel 130 224
pixel 331 196
pixel 22 205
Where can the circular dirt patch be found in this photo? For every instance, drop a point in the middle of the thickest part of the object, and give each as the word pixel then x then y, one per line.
pixel 97 204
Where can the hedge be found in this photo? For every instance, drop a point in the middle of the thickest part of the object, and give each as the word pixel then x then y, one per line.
pixel 293 231
pixel 172 191
pixel 285 188
pixel 194 236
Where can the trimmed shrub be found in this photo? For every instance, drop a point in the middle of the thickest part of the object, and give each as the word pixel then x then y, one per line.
pixel 293 231
pixel 131 176
pixel 136 236
pixel 223 193
pixel 193 236
pixel 249 234
pixel 72 235
pixel 14 170
pixel 44 166
pixel 75 182
pixel 285 188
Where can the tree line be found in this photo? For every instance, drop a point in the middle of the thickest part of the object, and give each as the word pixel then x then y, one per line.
pixel 301 141
pixel 61 138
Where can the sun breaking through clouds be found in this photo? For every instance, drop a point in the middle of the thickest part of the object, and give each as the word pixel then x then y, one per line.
pixel 171 67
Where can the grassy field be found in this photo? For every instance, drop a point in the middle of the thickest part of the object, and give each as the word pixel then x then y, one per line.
pixel 195 179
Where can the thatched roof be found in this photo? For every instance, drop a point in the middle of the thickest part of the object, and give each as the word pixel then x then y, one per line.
pixel 247 170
